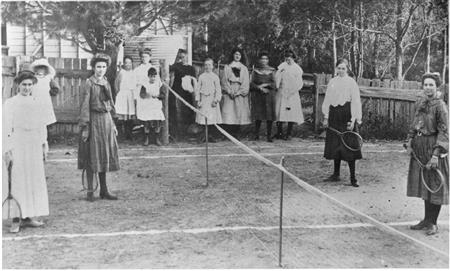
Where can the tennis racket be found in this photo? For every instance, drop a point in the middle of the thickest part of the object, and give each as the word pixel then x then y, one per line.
pixel 85 149
pixel 10 205
pixel 351 140
pixel 434 179
pixel 83 182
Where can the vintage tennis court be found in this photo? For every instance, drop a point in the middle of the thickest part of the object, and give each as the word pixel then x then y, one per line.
pixel 165 218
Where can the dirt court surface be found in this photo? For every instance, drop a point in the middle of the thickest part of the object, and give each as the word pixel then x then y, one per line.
pixel 165 218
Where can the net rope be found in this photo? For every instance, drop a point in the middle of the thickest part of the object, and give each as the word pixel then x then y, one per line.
pixel 307 186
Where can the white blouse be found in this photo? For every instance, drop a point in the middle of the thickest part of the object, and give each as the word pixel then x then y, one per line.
pixel 341 90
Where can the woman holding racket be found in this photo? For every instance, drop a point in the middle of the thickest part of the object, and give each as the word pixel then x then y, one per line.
pixel 25 148
pixel 98 149
pixel 428 145
pixel 342 110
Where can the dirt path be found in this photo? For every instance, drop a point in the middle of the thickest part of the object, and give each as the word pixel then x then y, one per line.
pixel 165 193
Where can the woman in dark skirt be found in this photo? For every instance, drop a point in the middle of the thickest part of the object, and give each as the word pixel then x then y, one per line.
pixel 98 149
pixel 262 91
pixel 428 138
pixel 341 109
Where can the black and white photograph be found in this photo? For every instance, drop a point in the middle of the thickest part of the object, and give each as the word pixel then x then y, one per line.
pixel 225 134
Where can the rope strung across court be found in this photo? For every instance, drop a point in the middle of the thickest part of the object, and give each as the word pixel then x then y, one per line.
pixel 307 186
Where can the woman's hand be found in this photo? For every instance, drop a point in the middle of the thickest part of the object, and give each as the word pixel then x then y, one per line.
pixel 199 104
pixel 433 163
pixel 325 123
pixel 115 131
pixel 350 125
pixel 85 135
pixel 409 149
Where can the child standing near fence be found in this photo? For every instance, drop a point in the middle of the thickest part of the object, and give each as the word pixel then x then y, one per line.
pixel 45 87
pixel 125 85
pixel 208 94
pixel 149 107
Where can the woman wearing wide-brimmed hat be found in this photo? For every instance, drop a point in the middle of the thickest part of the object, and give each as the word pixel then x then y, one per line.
pixel 24 147
pixel 45 87
pixel 98 148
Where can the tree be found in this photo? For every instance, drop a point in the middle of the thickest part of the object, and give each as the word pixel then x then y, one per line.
pixel 94 26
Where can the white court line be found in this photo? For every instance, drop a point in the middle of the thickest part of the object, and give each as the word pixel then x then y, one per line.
pixel 310 145
pixel 218 155
pixel 202 230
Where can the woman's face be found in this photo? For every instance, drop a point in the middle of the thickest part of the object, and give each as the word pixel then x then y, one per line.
pixel 429 87
pixel 237 56
pixel 341 69
pixel 208 66
pixel 40 71
pixel 182 58
pixel 264 60
pixel 152 78
pixel 289 60
pixel 127 64
pixel 145 58
pixel 100 69
pixel 25 87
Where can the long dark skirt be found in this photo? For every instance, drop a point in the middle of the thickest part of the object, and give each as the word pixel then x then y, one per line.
pixel 334 149
pixel 180 116
pixel 262 105
pixel 423 147
pixel 100 152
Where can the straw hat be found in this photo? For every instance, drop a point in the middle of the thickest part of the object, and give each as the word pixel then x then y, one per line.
pixel 43 62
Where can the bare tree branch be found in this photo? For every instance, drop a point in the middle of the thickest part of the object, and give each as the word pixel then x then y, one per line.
pixel 416 52
pixel 368 30
pixel 408 21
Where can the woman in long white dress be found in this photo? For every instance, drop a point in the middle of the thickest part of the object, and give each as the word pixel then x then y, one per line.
pixel 235 82
pixel 288 106
pixel 25 147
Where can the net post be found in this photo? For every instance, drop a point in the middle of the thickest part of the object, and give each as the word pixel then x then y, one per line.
pixel 206 150
pixel 281 215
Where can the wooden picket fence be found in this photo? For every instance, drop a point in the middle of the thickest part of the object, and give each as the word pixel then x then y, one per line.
pixel 71 74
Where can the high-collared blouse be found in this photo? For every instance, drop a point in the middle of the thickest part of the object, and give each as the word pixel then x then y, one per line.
pixel 341 90
pixel 431 118
pixel 96 96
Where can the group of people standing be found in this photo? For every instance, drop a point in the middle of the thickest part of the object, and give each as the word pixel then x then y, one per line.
pixel 235 99
pixel 239 98
pixel 139 97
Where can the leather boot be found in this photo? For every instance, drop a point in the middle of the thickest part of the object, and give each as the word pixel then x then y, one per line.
pixel 129 129
pixel 104 194
pixel 269 131
pixel 257 127
pixel 146 139
pixel 90 185
pixel 279 134
pixel 157 139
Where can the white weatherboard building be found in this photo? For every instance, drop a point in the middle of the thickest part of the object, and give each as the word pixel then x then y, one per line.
pixel 18 40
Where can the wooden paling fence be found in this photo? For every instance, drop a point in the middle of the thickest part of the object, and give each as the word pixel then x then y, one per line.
pixel 388 106
pixel 71 75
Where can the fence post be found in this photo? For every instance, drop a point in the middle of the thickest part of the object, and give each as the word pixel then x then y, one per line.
pixel 163 66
